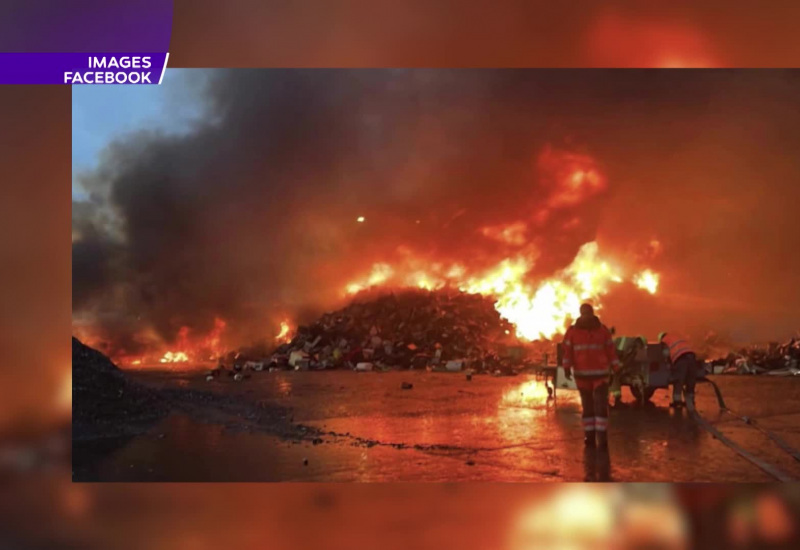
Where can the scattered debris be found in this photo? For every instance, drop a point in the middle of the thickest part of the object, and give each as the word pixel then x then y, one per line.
pixel 775 359
pixel 453 366
pixel 257 366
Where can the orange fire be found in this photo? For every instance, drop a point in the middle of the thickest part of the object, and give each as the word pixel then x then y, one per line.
pixel 571 177
pixel 513 234
pixel 380 274
pixel 185 348
pixel 542 311
pixel 174 357
pixel 284 335
pixel 647 280
pixel 539 311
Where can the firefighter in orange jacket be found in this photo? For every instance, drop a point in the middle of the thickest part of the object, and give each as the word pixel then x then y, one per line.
pixel 684 368
pixel 590 356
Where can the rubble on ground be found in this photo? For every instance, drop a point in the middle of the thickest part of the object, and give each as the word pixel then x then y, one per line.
pixel 442 330
pixel 774 359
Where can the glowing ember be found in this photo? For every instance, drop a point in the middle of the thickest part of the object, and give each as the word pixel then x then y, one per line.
pixel 174 357
pixel 360 219
pixel 647 280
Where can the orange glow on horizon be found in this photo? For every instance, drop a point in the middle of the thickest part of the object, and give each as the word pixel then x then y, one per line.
pixel 646 42
pixel 64 399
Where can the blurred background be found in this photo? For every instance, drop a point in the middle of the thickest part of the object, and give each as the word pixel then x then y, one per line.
pixel 41 508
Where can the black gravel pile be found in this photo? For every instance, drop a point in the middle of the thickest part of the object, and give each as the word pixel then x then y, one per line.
pixel 105 403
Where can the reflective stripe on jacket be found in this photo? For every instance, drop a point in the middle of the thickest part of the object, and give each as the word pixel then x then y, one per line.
pixel 590 352
pixel 676 346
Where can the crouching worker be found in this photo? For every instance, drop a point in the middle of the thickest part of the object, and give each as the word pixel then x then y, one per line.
pixel 590 356
pixel 628 348
pixel 684 368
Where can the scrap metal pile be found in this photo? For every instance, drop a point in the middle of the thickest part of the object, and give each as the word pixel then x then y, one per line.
pixel 775 359
pixel 445 330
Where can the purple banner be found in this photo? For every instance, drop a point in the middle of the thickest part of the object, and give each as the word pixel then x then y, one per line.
pixel 82 68
pixel 109 26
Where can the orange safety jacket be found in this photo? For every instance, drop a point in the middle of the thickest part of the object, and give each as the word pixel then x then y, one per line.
pixel 677 346
pixel 589 350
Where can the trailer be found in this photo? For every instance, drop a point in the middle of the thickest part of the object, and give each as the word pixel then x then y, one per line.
pixel 649 372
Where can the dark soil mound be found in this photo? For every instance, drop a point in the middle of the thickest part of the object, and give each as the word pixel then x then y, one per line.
pixel 105 403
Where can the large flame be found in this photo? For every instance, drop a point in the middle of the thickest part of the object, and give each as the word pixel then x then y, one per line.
pixel 542 311
pixel 539 311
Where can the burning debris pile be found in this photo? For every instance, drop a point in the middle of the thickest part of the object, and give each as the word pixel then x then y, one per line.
pixel 445 330
pixel 775 359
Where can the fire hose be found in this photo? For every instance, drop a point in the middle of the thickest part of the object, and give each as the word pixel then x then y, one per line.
pixel 766 467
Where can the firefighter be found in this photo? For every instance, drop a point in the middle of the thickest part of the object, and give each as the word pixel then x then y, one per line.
pixel 590 356
pixel 684 368
pixel 628 348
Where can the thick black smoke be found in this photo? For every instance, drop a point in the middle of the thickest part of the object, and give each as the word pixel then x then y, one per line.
pixel 253 213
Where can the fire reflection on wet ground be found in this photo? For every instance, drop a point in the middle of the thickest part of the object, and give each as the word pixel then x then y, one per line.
pixel 366 428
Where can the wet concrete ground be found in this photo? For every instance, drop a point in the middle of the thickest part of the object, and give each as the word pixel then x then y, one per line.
pixel 449 429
